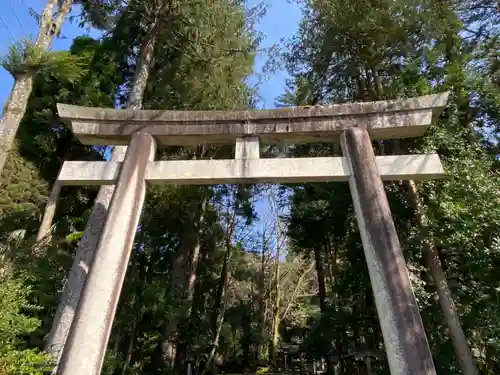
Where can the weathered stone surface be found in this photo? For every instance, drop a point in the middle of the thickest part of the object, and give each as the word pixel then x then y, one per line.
pixel 406 345
pixel 383 120
pixel 84 351
pixel 247 148
pixel 253 170
pixel 81 262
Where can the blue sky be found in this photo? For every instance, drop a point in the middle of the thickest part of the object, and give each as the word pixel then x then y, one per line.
pixel 280 21
pixel 15 24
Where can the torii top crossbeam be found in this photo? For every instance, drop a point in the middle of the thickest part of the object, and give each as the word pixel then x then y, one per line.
pixel 383 120
pixel 406 345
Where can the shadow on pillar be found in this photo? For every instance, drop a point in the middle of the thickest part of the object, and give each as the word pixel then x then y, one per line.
pixel 70 296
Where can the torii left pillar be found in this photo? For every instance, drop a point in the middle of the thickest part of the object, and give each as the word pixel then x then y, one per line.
pixel 96 310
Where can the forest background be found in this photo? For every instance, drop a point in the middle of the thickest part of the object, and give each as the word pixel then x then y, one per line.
pixel 232 274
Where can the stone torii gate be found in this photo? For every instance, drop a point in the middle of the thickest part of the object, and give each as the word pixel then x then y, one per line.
pixel 356 124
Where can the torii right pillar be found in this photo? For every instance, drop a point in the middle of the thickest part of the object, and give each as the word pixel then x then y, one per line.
pixel 406 345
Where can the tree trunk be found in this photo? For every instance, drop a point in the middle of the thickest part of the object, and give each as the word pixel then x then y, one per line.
pixel 331 262
pixel 130 349
pixel 15 107
pixel 431 258
pixel 115 348
pixel 246 339
pixel 322 297
pixel 49 213
pixel 183 283
pixel 379 89
pixel 276 317
pixel 196 312
pixel 218 317
pixel 291 300
pixel 51 206
pixel 177 285
pixel 321 280
pixel 262 302
pixel 220 298
pixel 86 248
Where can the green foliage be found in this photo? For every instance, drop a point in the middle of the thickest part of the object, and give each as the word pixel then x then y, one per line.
pixel 25 56
pixel 262 370
pixel 74 237
pixel 23 191
pixel 350 50
pixel 15 357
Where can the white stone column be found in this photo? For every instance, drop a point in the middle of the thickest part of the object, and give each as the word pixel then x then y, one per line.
pixel 405 341
pixel 88 338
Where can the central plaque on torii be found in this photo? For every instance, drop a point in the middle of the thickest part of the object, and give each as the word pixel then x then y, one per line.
pixel 355 125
